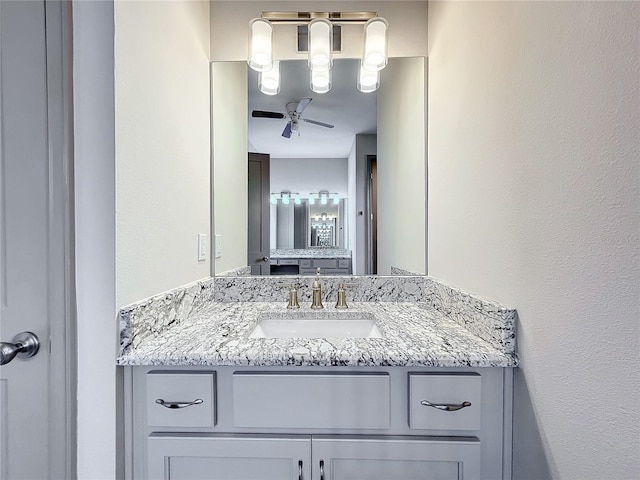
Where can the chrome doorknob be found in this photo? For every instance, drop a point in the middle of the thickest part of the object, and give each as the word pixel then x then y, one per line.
pixel 265 259
pixel 25 345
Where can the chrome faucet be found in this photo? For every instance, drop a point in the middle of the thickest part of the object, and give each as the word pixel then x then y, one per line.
pixel 316 289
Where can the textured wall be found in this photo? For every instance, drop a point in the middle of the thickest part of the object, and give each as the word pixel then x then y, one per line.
pixel 162 144
pixel 534 115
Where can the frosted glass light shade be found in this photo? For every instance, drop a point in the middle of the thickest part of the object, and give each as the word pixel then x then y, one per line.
pixel 269 81
pixel 320 44
pixel 368 80
pixel 376 42
pixel 260 45
pixel 321 81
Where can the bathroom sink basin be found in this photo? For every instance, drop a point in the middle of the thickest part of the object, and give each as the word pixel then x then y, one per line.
pixel 330 325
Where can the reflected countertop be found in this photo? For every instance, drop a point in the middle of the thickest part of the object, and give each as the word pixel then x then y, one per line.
pixel 310 253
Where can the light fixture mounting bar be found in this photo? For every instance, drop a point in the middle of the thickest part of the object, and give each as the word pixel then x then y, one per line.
pixel 306 17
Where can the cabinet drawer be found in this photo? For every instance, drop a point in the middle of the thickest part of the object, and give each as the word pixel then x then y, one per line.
pixel 326 263
pixel 344 263
pixel 296 400
pixel 447 389
pixel 305 263
pixel 288 261
pixel 179 390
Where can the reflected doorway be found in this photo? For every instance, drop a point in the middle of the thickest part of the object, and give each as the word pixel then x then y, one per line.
pixel 372 218
pixel 258 218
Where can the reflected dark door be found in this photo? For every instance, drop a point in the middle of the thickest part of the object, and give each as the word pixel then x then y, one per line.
pixel 372 220
pixel 258 241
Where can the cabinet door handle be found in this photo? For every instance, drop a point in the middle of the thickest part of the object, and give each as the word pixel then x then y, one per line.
pixel 299 469
pixel 447 407
pixel 174 405
pixel 321 469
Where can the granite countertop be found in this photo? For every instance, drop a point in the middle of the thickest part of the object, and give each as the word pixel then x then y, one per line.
pixel 327 253
pixel 217 333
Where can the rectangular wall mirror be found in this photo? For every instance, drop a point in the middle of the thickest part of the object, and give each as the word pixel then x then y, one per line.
pixel 336 180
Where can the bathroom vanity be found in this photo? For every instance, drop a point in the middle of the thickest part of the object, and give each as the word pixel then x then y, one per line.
pixel 332 261
pixel 428 398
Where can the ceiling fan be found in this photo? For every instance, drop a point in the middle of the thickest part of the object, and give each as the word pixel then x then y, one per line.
pixel 294 112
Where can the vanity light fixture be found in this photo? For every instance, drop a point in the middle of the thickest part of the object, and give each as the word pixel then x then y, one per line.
pixel 269 80
pixel 376 41
pixel 320 44
pixel 260 45
pixel 285 197
pixel 317 37
pixel 324 196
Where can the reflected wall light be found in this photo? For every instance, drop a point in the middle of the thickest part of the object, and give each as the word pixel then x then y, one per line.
pixel 285 197
pixel 260 45
pixel 320 44
pixel 320 81
pixel 368 81
pixel 376 41
pixel 269 80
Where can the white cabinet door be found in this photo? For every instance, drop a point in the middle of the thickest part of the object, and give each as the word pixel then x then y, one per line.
pixel 228 457
pixel 395 458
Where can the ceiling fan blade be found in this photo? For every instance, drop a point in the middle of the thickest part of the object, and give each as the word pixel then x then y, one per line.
pixel 263 114
pixel 315 122
pixel 302 104
pixel 286 133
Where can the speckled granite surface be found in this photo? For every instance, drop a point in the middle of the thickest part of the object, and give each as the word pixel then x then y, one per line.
pixel 413 336
pixel 425 322
pixel 274 288
pixel 401 271
pixel 152 316
pixel 310 253
pixel 236 272
pixel 488 320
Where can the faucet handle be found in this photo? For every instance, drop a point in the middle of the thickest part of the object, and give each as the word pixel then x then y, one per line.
pixel 341 304
pixel 293 294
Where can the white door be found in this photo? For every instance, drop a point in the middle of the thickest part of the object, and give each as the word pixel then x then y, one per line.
pixel 33 278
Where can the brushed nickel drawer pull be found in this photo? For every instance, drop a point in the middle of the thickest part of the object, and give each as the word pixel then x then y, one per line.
pixel 447 407
pixel 174 405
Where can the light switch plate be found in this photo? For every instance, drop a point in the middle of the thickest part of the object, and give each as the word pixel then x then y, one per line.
pixel 218 244
pixel 202 246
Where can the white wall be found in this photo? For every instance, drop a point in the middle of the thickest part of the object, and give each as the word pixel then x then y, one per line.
pixel 307 175
pixel 231 164
pixel 230 21
pixel 95 230
pixel 534 131
pixel 162 144
pixel 401 166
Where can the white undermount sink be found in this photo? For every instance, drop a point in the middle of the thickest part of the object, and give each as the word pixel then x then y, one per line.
pixel 330 325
